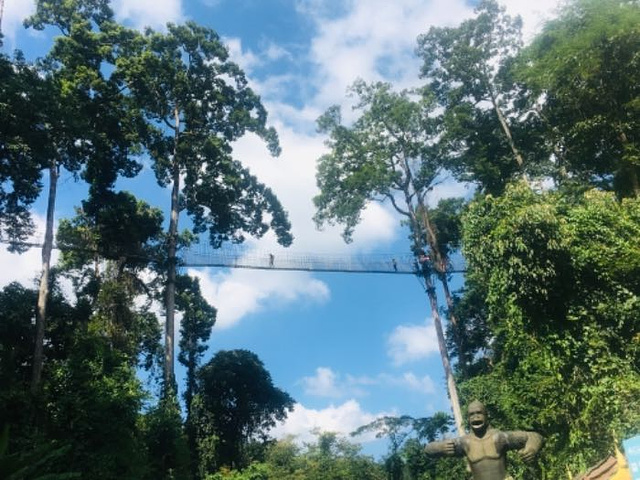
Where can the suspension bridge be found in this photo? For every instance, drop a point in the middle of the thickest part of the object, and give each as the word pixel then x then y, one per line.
pixel 203 255
pixel 241 256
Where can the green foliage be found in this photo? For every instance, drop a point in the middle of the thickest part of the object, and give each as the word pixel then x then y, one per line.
pixel 420 466
pixel 87 122
pixel 111 226
pixel 86 393
pixel 93 384
pixel 31 465
pixel 17 310
pixel 21 154
pixel 468 67
pixel 166 442
pixel 472 333
pixel 406 459
pixel 195 329
pixel 334 457
pixel 238 402
pixel 386 155
pixel 196 103
pixel 446 222
pixel 583 70
pixel 560 277
pixel 105 250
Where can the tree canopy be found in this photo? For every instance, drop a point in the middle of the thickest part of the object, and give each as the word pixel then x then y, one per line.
pixel 544 330
pixel 238 402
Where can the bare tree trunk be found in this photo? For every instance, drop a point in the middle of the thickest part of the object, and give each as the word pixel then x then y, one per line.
pixel 442 345
pixel 171 277
pixel 505 126
pixel 420 221
pixel 454 321
pixel 43 293
pixel 507 133
pixel 635 184
pixel 441 268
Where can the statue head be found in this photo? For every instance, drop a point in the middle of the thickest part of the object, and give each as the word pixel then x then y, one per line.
pixel 478 418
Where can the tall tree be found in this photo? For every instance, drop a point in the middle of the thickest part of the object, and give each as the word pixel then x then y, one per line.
pixel 87 124
pixel 197 103
pixel 239 402
pixel 389 154
pixel 469 69
pixel 105 250
pixel 583 70
pixel 198 318
pixel 94 364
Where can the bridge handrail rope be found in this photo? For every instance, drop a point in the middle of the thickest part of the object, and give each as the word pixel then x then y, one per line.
pixel 202 255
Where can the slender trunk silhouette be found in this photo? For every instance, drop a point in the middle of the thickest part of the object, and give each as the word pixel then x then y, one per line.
pixel 440 264
pixel 172 263
pixel 442 345
pixel 504 125
pixel 418 227
pixel 43 292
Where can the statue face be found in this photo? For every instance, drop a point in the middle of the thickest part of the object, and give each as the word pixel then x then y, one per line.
pixel 477 417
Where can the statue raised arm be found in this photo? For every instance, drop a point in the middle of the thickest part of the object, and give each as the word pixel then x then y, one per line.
pixel 486 448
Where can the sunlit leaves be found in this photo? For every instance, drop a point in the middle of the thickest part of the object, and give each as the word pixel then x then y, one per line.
pixel 584 68
pixel 560 277
pixel 388 154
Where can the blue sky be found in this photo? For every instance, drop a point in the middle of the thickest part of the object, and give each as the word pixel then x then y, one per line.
pixel 347 347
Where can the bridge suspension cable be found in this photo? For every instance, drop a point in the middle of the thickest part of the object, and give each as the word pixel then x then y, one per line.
pixel 203 255
pixel 230 257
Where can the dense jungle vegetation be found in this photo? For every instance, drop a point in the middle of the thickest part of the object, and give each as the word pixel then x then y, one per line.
pixel 546 331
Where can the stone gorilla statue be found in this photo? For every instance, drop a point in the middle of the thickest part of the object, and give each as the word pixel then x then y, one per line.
pixel 486 448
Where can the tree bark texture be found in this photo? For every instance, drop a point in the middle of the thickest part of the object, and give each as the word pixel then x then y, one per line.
pixel 43 292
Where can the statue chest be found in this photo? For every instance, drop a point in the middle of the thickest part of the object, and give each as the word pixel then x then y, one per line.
pixel 479 449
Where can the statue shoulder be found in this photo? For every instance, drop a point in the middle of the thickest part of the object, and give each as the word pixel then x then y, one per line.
pixel 520 439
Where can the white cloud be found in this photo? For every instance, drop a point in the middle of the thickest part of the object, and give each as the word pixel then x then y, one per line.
pixel 449 188
pixel 242 292
pixel 411 381
pixel 342 419
pixel 274 51
pixel 533 14
pixel 25 268
pixel 327 383
pixel 375 40
pixel 148 13
pixel 15 12
pixel 408 343
pixel 247 60
pixel 292 178
pixel 323 384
